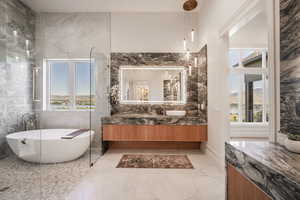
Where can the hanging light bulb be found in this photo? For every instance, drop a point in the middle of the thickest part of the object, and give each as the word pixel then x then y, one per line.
pixel 202 106
pixel 190 70
pixel 184 44
pixel 27 44
pixel 15 33
pixel 196 61
pixel 193 35
pixel 188 54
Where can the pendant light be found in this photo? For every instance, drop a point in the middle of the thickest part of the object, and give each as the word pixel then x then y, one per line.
pixel 193 35
pixel 190 5
pixel 188 55
pixel 190 70
pixel 184 44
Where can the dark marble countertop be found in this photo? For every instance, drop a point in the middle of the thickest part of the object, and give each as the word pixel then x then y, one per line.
pixel 138 119
pixel 270 166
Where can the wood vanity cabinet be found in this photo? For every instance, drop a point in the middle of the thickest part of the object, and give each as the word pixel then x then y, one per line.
pixel 240 188
pixel 174 133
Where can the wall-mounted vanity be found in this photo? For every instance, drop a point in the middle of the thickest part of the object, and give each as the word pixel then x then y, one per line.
pixel 156 102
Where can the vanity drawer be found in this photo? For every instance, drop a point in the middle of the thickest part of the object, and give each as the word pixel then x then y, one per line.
pixel 184 133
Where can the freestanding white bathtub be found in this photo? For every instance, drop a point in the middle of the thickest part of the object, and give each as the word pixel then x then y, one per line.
pixel 46 145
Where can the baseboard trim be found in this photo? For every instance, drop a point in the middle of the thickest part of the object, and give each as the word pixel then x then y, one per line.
pixel 253 135
pixel 219 161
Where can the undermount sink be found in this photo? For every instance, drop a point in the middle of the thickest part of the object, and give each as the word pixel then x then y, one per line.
pixel 175 112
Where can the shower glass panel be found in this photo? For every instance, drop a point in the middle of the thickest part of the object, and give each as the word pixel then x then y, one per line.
pixel 74 83
pixel 65 122
pixel 98 99
pixel 68 99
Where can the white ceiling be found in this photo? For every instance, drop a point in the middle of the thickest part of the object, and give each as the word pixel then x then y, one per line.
pixel 105 5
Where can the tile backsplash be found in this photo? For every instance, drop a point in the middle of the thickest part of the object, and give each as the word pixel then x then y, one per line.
pixel 196 104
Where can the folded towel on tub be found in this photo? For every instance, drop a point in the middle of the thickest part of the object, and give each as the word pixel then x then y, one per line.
pixel 75 134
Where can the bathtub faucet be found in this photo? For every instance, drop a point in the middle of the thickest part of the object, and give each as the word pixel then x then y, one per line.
pixel 23 141
pixel 24 116
pixel 28 121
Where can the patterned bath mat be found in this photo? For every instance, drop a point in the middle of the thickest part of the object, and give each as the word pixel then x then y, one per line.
pixel 155 161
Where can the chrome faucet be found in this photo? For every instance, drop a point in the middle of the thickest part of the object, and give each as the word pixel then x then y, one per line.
pixel 23 141
pixel 24 120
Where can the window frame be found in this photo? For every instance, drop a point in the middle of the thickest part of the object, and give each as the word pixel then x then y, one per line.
pixel 72 87
pixel 241 71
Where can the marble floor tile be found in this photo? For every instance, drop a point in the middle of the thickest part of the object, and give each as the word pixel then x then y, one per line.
pixel 75 181
pixel 106 182
pixel 30 181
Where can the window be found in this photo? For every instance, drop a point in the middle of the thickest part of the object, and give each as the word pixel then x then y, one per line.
pixel 248 86
pixel 83 98
pixel 70 85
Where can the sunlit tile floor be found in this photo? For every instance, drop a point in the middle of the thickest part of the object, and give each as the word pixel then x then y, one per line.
pixel 106 182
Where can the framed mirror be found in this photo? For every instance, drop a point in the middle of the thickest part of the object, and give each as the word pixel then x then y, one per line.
pixel 153 84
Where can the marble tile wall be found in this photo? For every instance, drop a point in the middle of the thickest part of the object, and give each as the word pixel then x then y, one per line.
pixel 17 25
pixel 202 83
pixel 290 66
pixel 196 83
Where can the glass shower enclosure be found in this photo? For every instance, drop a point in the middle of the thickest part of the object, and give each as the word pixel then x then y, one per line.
pixel 99 73
pixel 70 113
pixel 52 98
